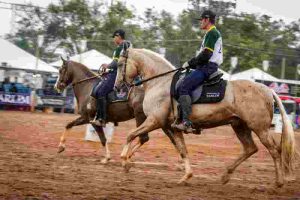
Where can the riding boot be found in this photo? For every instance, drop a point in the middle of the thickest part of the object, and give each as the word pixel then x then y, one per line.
pixel 103 115
pixel 100 117
pixel 186 109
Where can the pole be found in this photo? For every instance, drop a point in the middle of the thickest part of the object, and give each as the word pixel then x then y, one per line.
pixel 33 92
pixel 39 43
pixel 283 68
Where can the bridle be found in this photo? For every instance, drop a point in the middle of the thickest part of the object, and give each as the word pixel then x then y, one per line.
pixel 125 55
pixel 66 63
pixel 124 82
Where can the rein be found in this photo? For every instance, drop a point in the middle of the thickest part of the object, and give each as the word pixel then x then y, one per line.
pixel 86 79
pixel 130 85
pixel 146 80
pixel 154 77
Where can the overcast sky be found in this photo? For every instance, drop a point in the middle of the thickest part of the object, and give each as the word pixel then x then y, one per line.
pixel 287 10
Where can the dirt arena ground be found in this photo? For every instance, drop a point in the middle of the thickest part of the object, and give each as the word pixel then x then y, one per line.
pixel 30 168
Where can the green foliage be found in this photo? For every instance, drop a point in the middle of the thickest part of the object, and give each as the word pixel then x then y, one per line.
pixel 249 37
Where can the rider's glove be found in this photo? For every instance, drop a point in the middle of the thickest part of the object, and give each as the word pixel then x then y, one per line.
pixel 185 65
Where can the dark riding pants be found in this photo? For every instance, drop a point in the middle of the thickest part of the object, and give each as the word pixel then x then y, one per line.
pixel 104 87
pixel 196 78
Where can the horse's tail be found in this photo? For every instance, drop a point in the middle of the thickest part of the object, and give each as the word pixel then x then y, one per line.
pixel 287 140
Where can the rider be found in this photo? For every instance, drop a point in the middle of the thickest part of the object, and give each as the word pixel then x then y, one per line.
pixel 101 90
pixel 205 63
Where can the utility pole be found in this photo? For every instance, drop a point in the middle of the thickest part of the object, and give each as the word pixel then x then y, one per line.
pixel 283 68
pixel 39 43
pixel 13 19
pixel 265 66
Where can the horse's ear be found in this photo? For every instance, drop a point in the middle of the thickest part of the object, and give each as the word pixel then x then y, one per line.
pixel 65 59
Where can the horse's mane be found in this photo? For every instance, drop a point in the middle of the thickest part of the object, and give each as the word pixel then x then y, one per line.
pixel 84 68
pixel 157 57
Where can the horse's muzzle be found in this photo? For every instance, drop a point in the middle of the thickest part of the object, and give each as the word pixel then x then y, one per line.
pixel 60 87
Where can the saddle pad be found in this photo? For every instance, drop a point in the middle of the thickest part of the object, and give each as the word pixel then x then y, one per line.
pixel 209 92
pixel 117 96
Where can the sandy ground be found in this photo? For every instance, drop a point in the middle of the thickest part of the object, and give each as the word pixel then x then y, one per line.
pixel 30 168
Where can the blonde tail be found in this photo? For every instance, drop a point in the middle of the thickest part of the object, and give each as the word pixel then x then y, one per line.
pixel 287 140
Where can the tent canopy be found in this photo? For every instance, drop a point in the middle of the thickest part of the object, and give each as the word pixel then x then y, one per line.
pixel 92 59
pixel 17 58
pixel 253 74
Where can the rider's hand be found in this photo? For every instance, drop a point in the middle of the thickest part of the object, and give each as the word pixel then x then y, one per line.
pixel 102 68
pixel 185 65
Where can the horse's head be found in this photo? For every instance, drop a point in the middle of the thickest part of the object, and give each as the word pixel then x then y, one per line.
pixel 64 78
pixel 127 69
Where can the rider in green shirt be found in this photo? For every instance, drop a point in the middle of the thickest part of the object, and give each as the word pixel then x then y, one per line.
pixel 204 64
pixel 101 90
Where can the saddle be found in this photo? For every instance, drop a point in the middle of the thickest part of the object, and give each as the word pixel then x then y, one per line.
pixel 211 91
pixel 118 96
pixel 121 95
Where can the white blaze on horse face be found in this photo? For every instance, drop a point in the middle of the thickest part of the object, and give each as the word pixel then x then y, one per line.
pixel 56 84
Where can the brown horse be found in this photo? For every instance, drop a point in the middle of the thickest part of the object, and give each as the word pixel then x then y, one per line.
pixel 247 106
pixel 83 80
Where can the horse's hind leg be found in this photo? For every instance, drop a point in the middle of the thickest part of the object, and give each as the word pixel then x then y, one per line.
pixel 267 139
pixel 181 148
pixel 249 148
pixel 76 122
pixel 104 142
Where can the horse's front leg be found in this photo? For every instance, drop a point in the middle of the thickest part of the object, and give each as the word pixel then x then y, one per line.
pixel 143 138
pixel 104 142
pixel 149 124
pixel 76 122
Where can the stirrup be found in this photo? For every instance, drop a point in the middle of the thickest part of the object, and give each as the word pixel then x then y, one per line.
pixel 176 122
pixel 184 128
pixel 98 122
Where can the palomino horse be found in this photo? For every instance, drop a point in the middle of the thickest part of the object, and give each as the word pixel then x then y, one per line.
pixel 247 106
pixel 83 80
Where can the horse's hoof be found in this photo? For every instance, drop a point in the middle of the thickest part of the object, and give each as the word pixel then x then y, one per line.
pixel 180 167
pixel 290 178
pixel 105 160
pixel 60 149
pixel 225 178
pixel 182 183
pixel 127 166
pixel 184 179
pixel 279 184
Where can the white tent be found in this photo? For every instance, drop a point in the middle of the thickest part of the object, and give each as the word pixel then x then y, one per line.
pixel 253 74
pixel 17 58
pixel 92 59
